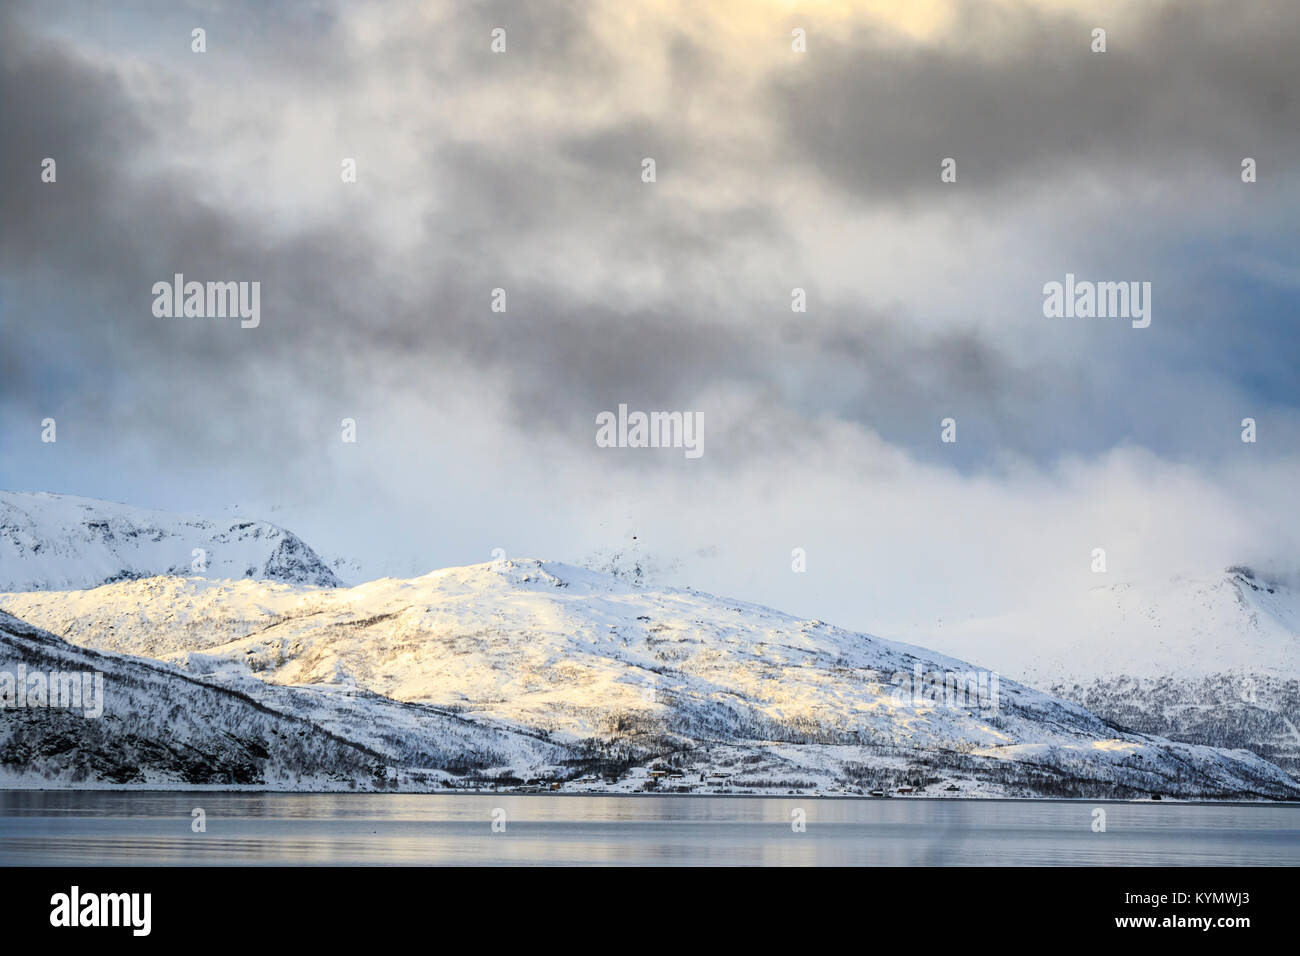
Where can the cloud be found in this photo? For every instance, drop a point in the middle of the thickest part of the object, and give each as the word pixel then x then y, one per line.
pixel 1016 94
pixel 522 172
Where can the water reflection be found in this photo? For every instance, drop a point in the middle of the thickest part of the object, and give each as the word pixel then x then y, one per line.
pixel 125 828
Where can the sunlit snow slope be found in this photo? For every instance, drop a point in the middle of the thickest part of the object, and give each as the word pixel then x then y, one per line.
pixel 613 674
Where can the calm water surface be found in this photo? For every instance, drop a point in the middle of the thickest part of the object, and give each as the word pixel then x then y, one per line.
pixel 125 828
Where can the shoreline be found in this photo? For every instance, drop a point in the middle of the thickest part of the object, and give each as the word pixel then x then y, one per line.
pixel 221 788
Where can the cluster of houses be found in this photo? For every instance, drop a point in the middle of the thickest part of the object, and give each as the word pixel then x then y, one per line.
pixel 692 779
pixel 671 779
pixel 543 786
pixel 918 788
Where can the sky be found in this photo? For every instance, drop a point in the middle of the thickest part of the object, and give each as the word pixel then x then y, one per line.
pixel 776 168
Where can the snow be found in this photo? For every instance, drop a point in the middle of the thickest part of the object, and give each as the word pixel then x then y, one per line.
pixel 1186 627
pixel 521 666
pixel 1212 660
pixel 63 542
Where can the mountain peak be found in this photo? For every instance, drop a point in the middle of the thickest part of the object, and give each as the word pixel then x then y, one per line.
pixel 50 541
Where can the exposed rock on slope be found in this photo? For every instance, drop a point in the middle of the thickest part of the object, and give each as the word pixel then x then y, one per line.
pixel 62 542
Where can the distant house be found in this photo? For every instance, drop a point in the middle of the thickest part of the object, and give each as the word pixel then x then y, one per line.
pixel 904 789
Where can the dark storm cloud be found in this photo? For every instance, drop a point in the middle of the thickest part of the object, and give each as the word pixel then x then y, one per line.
pixel 340 328
pixel 104 234
pixel 566 356
pixel 1019 99
pixel 83 253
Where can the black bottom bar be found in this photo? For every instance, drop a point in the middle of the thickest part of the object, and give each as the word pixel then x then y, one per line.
pixel 609 907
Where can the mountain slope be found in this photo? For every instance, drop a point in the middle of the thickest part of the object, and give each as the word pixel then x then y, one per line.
pixel 64 542
pixel 614 674
pixel 1208 660
pixel 156 726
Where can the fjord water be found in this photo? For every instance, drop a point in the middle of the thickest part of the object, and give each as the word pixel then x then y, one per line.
pixel 69 828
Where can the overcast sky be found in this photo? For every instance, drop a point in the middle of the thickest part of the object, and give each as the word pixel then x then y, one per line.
pixel 775 170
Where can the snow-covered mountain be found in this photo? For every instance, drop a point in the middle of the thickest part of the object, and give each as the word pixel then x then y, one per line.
pixel 1212 660
pixel 533 669
pixel 63 542
pixel 151 724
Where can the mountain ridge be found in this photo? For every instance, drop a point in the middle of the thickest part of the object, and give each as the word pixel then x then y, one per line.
pixel 581 669
pixel 1207 659
pixel 157 725
pixel 60 542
